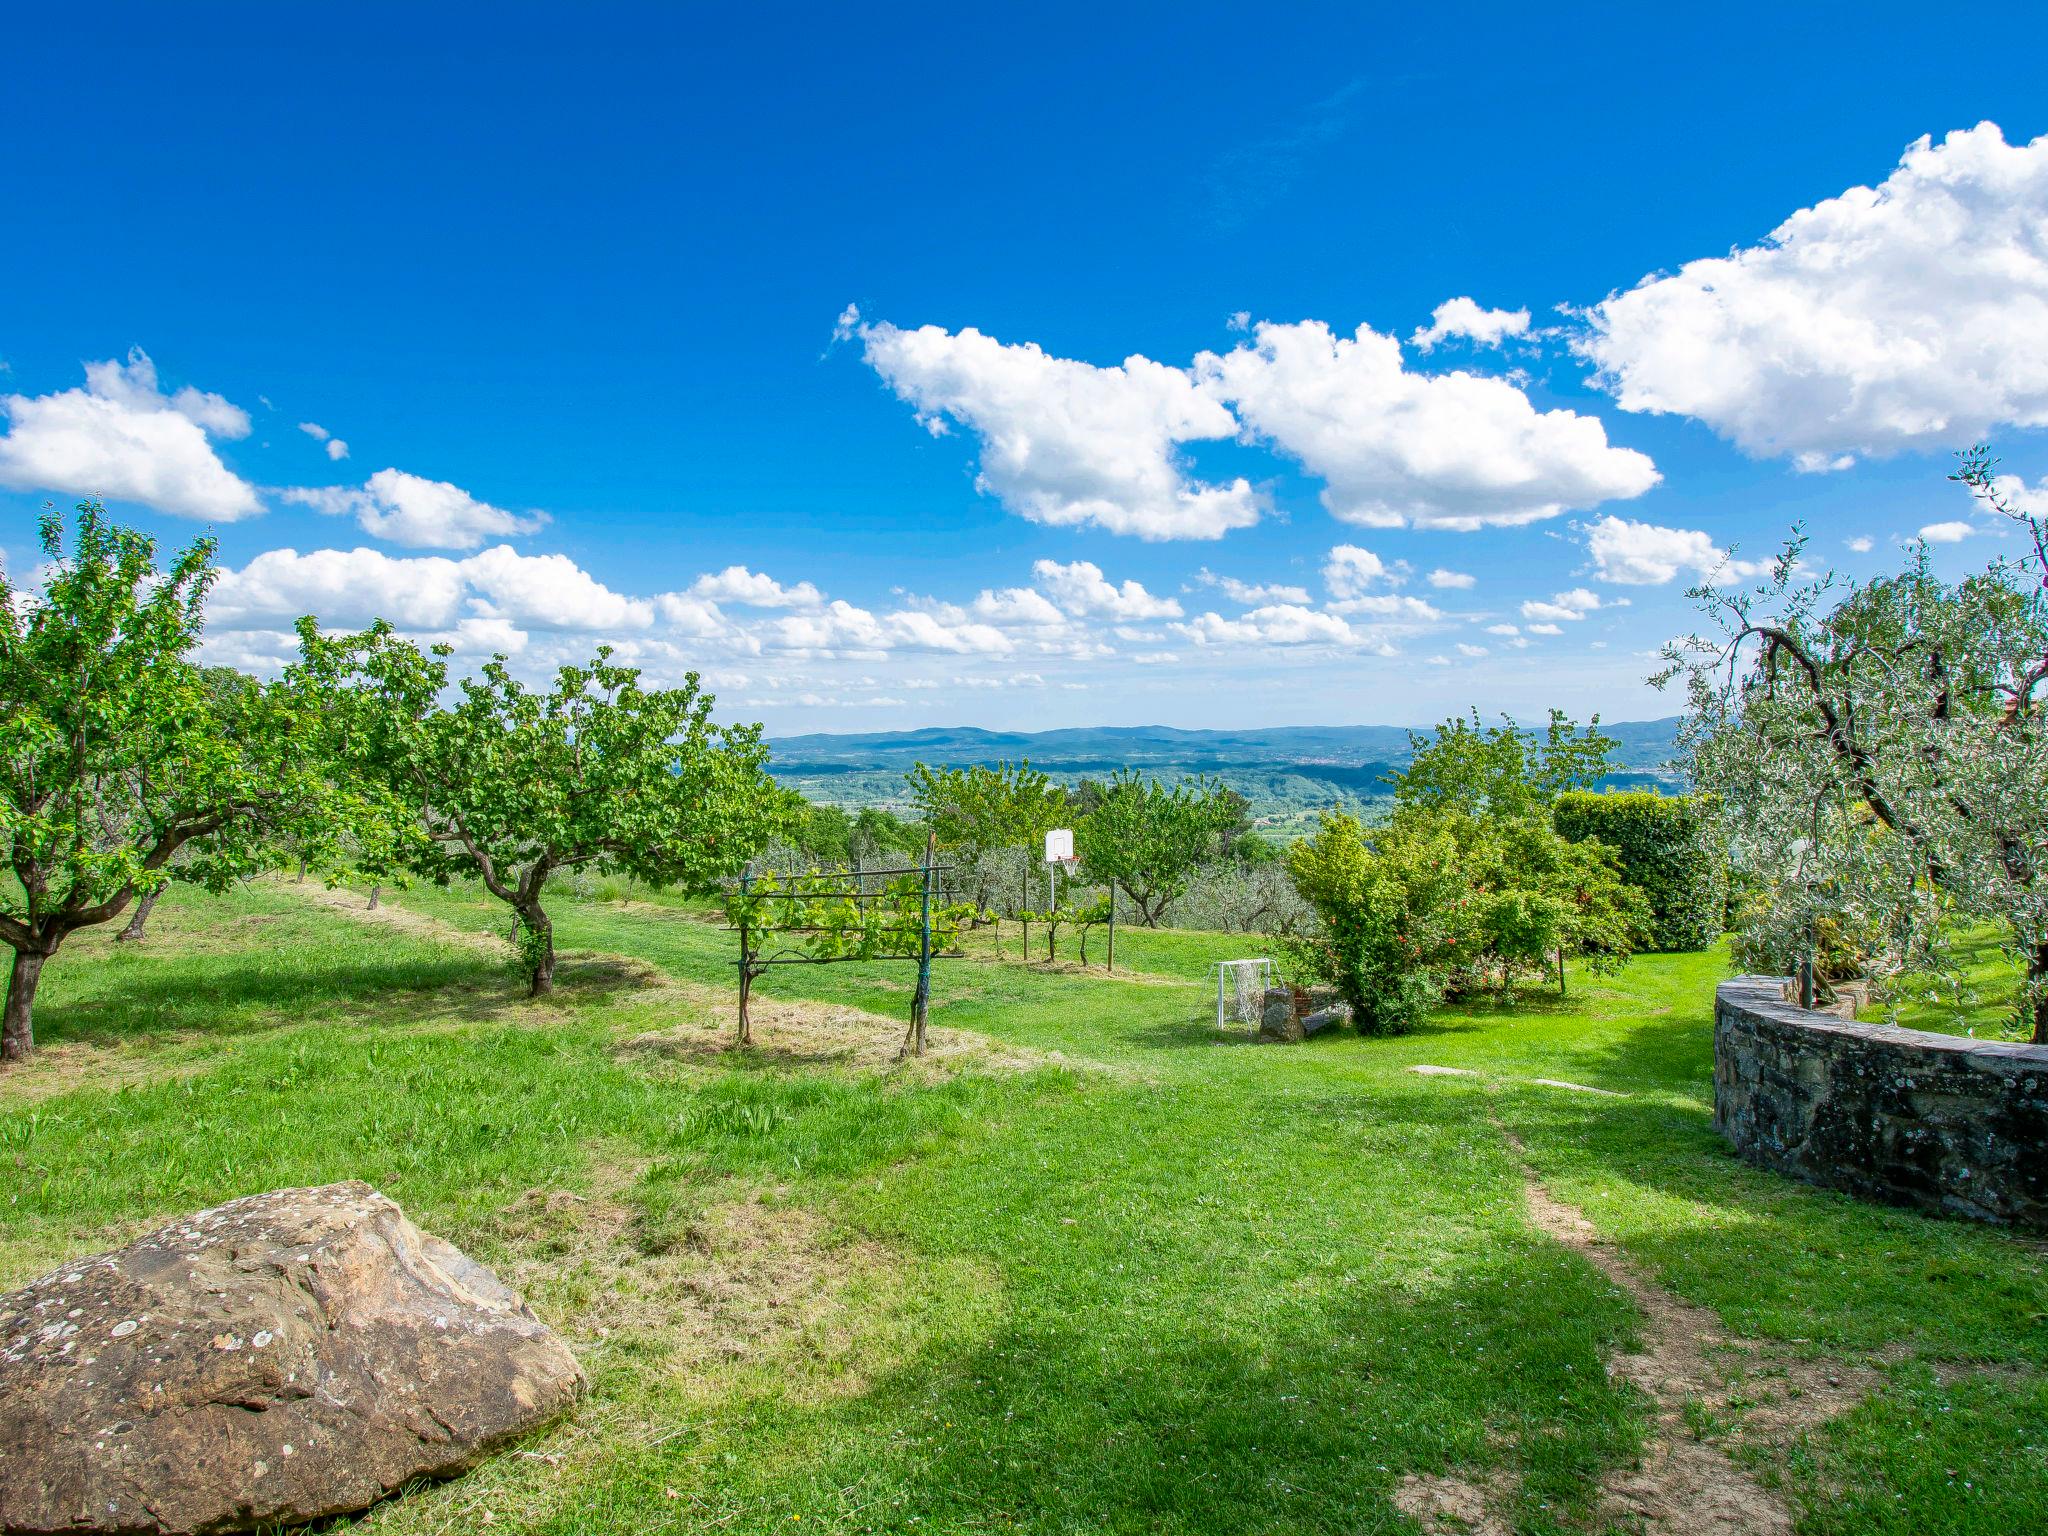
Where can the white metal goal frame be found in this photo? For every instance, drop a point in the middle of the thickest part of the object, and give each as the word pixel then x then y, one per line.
pixel 1241 987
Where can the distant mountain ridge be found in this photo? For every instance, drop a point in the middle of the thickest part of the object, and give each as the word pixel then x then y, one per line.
pixel 1286 771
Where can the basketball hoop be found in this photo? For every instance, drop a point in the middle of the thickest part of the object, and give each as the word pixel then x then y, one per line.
pixel 1059 854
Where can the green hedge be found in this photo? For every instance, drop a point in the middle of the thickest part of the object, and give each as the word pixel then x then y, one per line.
pixel 1667 851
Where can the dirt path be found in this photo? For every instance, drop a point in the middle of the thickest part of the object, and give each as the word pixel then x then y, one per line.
pixel 1697 1379
pixel 357 905
pixel 1686 1485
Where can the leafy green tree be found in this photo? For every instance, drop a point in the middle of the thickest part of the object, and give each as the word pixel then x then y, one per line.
pixel 1394 917
pixel 119 756
pixel 978 810
pixel 513 785
pixel 1440 903
pixel 1501 770
pixel 1148 840
pixel 878 833
pixel 1539 899
pixel 824 835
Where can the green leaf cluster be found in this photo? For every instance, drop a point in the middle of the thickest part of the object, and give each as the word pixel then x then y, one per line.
pixel 1501 770
pixel 513 784
pixel 1446 903
pixel 123 763
pixel 1148 839
pixel 817 914
pixel 1667 848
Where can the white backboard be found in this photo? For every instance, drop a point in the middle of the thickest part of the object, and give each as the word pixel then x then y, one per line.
pixel 1059 844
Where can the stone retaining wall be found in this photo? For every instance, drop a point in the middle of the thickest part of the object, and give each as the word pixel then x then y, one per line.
pixel 1896 1115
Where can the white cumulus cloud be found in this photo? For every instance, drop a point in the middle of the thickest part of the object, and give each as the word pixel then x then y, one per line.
pixel 549 592
pixel 1082 590
pixel 1253 594
pixel 1067 442
pixel 415 511
pixel 1282 624
pixel 346 587
pixel 1644 555
pixel 1463 317
pixel 1350 570
pixel 737 584
pixel 1457 450
pixel 123 438
pixel 1947 533
pixel 336 448
pixel 422 593
pixel 1913 314
pixel 1452 581
pixel 1569 607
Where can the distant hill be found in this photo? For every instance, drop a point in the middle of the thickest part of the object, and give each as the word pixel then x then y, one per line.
pixel 1288 772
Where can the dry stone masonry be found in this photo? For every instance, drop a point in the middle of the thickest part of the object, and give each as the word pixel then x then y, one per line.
pixel 277 1360
pixel 1900 1116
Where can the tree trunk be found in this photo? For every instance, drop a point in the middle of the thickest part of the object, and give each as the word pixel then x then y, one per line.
pixel 17 1033
pixel 2037 977
pixel 543 952
pixel 376 892
pixel 133 932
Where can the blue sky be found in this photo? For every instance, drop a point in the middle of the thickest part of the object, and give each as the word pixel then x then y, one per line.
pixel 565 284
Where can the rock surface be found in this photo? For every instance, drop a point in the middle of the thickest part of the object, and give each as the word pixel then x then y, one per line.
pixel 278 1359
pixel 1324 1017
pixel 1279 1020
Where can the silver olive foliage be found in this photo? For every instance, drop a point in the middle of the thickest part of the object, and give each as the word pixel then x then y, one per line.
pixel 1877 753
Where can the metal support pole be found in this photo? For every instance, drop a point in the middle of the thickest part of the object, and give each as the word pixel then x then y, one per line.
pixel 1112 925
pixel 921 1002
pixel 746 955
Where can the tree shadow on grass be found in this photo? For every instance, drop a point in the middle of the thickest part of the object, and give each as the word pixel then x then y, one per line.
pixel 1776 1256
pixel 1194 1031
pixel 248 993
pixel 1280 1418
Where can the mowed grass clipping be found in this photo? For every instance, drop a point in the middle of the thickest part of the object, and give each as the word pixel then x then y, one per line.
pixel 1114 1272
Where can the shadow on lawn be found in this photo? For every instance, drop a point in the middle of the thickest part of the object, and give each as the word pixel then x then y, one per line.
pixel 1281 1418
pixel 1775 1256
pixel 248 994
pixel 1193 1031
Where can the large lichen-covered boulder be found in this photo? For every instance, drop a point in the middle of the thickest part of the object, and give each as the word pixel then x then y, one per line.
pixel 275 1360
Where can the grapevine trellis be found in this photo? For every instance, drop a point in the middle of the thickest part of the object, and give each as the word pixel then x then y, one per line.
pixel 831 917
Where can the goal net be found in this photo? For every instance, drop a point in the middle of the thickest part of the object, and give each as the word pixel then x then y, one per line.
pixel 1241 990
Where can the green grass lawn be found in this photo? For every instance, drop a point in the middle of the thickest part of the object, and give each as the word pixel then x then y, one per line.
pixel 1985 1005
pixel 1122 1274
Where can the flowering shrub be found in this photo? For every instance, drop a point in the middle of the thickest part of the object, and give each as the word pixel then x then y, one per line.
pixel 1440 903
